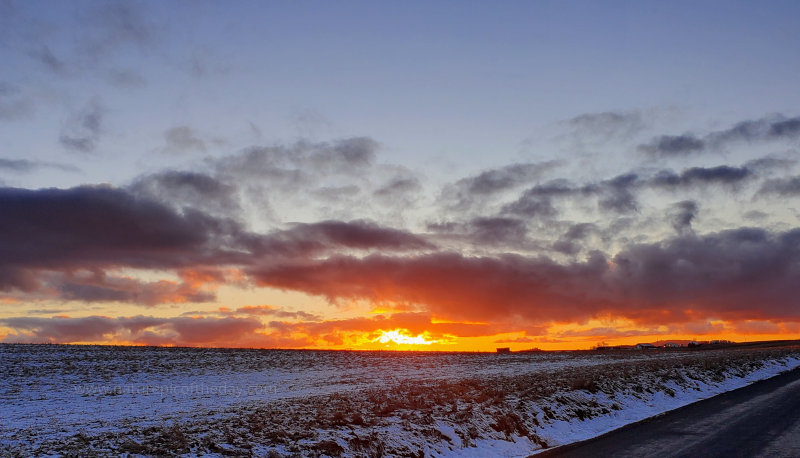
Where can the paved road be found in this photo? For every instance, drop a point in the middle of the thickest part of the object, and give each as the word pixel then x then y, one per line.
pixel 762 419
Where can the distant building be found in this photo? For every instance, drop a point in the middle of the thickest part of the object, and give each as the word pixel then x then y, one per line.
pixel 645 346
pixel 671 345
pixel 504 350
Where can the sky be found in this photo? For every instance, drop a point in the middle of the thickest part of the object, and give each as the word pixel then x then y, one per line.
pixel 399 175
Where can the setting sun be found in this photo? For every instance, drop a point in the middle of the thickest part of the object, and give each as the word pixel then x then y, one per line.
pixel 399 336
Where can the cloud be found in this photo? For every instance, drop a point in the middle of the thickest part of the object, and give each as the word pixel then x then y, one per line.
pixel 777 127
pixel 224 332
pixel 27 166
pixel 181 139
pixel 83 129
pixel 102 227
pixel 538 200
pixel 97 286
pixel 608 124
pixel 87 40
pixel 278 312
pixel 732 274
pixel 336 193
pixel 48 235
pixel 607 332
pixel 398 188
pixel 616 194
pixel 568 243
pixel 112 25
pixel 304 240
pixel 619 194
pixel 767 128
pixel 613 195
pixel 770 163
pixel 681 216
pixel 488 231
pixel 673 145
pixel 517 340
pixel 474 189
pixel 188 189
pixel 45 56
pixel 293 165
pixel 14 104
pixel 786 187
pixel 702 176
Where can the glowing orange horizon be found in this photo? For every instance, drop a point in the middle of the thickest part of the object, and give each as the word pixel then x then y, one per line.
pixel 399 340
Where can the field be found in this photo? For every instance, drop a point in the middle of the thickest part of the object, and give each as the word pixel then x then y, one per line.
pixel 70 400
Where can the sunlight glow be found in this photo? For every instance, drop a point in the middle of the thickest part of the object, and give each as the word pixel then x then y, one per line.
pixel 398 336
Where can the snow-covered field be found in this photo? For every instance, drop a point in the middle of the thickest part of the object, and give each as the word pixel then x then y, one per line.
pixel 69 400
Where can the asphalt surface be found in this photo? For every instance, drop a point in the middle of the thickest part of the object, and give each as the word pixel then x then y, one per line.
pixel 762 419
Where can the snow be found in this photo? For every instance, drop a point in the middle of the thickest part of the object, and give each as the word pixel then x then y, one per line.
pixel 442 404
pixel 636 408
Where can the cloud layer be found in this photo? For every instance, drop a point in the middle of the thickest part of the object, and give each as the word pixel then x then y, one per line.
pixel 510 249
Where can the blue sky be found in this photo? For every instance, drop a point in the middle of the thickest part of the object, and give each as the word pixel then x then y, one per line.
pixel 556 131
pixel 463 82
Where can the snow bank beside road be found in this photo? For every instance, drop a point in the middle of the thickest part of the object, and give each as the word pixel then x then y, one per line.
pixel 637 407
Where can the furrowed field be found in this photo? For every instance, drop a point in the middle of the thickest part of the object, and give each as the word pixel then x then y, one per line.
pixel 101 400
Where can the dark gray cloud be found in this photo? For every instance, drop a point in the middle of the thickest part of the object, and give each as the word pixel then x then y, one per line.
pixel 485 231
pixel 466 192
pixel 496 180
pixel 785 128
pixel 570 242
pixel 786 187
pixel 398 187
pixel 617 194
pixel 614 195
pixel 82 130
pixel 770 163
pixel 768 128
pixel 673 145
pixel 702 176
pixel 102 227
pixel 303 240
pixel 27 166
pixel 188 189
pixel 498 230
pixel 538 200
pixel 775 127
pixel 681 216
